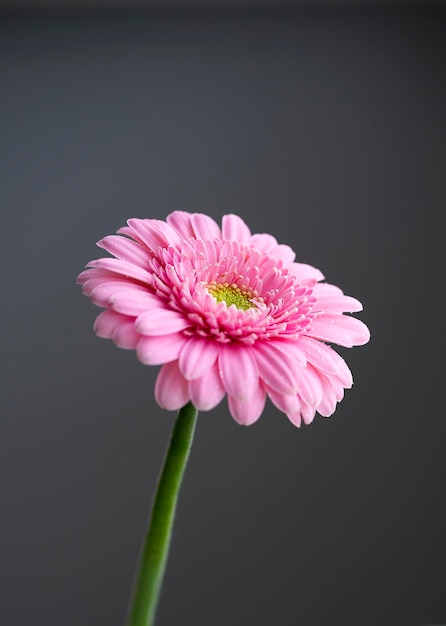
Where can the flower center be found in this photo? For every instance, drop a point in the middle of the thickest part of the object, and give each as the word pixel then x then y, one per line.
pixel 231 294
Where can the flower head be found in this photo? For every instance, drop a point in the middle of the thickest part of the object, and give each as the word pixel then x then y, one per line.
pixel 224 312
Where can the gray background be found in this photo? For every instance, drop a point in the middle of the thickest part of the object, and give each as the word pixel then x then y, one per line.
pixel 324 126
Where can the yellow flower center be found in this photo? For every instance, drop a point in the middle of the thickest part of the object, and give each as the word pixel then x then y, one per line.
pixel 231 294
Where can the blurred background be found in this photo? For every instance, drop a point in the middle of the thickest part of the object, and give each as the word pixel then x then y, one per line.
pixel 321 123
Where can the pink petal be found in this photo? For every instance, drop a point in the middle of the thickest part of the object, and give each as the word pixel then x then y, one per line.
pixel 295 419
pixel 291 350
pixel 159 350
pixel 205 227
pixel 344 374
pixel 125 335
pixel 83 277
pixel 107 322
pixel 263 242
pixel 161 322
pixel 326 289
pixel 125 249
pixel 171 389
pixel 181 222
pixel 287 403
pixel 336 304
pixel 99 275
pixel 206 392
pixel 327 405
pixel 238 371
pixel 338 388
pixel 307 413
pixel 128 232
pixel 306 273
pixel 246 412
pixel 310 387
pixel 341 329
pixel 123 268
pixel 275 369
pixel 134 302
pixel 319 354
pixel 155 233
pixel 197 357
pixel 235 229
pixel 325 359
pixel 100 290
pixel 284 253
pixel 92 280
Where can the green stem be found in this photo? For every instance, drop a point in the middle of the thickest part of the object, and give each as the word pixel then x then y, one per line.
pixel 156 545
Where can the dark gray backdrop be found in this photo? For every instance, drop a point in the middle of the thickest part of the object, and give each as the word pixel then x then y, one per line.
pixel 325 127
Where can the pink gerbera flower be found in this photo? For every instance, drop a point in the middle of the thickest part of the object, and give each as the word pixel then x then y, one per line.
pixel 224 312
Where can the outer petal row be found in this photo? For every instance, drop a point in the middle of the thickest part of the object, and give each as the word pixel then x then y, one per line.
pixel 238 370
pixel 197 225
pixel 341 329
pixel 160 349
pixel 197 356
pixel 172 391
pixel 119 328
pixel 235 229
pixel 125 249
pixel 204 375
pixel 154 233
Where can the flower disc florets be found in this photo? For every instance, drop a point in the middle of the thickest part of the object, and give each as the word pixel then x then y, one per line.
pixel 232 294
pixel 224 312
